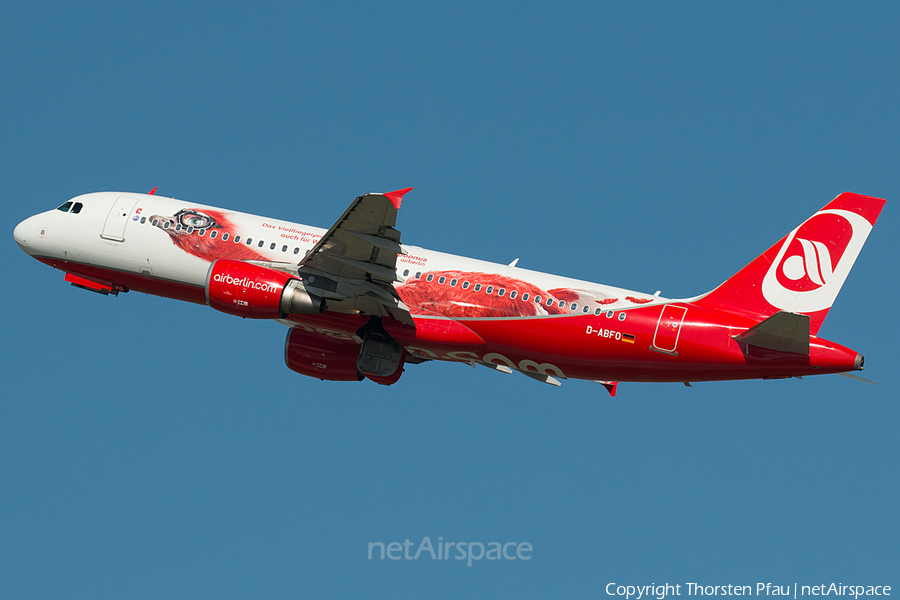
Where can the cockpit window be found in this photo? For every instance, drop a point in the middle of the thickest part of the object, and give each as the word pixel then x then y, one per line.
pixel 65 207
pixel 77 208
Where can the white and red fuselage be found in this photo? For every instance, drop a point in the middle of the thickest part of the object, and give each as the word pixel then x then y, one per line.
pixel 468 310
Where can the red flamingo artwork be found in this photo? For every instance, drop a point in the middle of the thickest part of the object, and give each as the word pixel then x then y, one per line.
pixel 184 229
pixel 447 293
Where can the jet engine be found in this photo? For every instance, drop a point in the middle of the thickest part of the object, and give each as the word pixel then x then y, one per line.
pixel 321 357
pixel 247 290
pixel 344 360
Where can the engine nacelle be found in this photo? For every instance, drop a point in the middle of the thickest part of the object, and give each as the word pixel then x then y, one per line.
pixel 247 290
pixel 321 357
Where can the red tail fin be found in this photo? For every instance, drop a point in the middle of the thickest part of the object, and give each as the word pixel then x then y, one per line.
pixel 803 272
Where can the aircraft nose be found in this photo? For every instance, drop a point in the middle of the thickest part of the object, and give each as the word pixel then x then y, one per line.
pixel 20 233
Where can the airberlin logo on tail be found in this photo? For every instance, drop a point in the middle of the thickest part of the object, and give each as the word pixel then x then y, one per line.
pixel 810 257
pixel 814 261
pixel 814 264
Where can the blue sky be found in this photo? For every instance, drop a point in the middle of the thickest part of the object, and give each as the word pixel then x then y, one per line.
pixel 150 448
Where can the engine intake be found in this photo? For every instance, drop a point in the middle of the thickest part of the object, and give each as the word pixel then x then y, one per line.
pixel 247 290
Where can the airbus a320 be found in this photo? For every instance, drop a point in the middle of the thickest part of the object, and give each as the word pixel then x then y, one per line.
pixel 360 304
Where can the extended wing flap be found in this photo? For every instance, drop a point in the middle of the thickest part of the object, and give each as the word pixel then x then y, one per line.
pixel 783 331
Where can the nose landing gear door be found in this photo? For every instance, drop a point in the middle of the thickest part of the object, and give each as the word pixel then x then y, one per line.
pixel 117 219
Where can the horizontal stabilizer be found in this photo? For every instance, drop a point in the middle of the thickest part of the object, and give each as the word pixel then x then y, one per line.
pixel 857 378
pixel 783 331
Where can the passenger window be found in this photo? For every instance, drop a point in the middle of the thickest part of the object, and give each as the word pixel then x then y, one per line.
pixel 418 275
pixel 550 301
pixel 296 250
pixel 489 289
pixel 585 309
pixel 622 316
pixel 453 283
pixel 224 237
pixel 406 272
pixel 284 248
pixel 442 279
pixel 190 230
pixel 430 278
pixel 237 239
pixel 143 220
pixel 260 244
pixel 465 285
pixel 525 297
pixel 155 222
pixel 213 234
pixel 477 287
pixel 598 311
pixel 501 291
pixel 77 208
pixel 574 306
pixel 537 299
pixel 166 225
pixel 65 207
pixel 178 227
pixel 271 246
pixel 201 232
pixel 513 294
pixel 609 314
pixel 249 241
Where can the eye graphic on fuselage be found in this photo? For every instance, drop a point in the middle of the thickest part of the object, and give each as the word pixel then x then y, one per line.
pixel 191 218
pixel 203 233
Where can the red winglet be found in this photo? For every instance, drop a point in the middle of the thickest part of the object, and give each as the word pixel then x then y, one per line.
pixel 610 387
pixel 396 197
pixel 153 191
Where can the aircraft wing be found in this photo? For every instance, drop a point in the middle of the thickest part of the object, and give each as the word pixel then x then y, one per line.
pixel 353 266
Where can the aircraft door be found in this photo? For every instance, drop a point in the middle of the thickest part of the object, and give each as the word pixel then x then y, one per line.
pixel 117 219
pixel 668 328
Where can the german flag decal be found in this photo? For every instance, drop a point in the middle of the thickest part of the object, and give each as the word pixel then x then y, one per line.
pixel 627 338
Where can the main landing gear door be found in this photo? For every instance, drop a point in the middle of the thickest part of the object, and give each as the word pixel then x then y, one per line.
pixel 668 328
pixel 117 219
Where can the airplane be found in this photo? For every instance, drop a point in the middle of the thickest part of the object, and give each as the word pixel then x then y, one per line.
pixel 359 304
